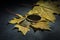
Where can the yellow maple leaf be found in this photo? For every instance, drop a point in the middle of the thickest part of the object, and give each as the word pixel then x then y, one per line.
pixel 45 10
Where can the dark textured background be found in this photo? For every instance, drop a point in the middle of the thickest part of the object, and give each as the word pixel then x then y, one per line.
pixel 6 32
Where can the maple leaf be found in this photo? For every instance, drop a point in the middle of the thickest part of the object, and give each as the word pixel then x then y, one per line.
pixel 45 10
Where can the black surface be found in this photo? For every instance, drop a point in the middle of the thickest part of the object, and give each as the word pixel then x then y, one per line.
pixel 7 32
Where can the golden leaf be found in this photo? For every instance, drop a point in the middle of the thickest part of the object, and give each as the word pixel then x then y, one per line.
pixel 45 10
